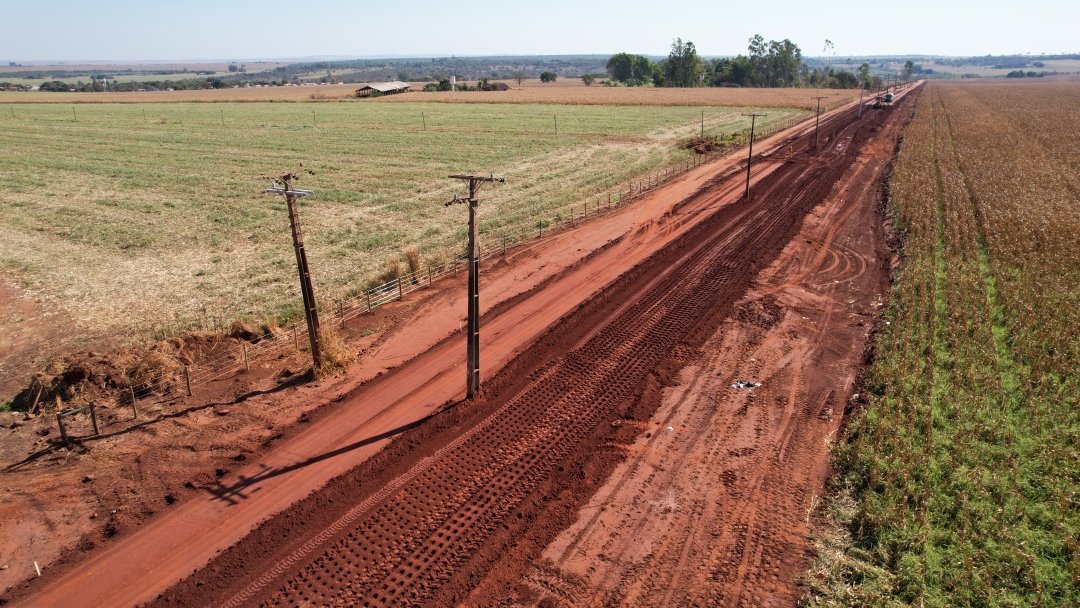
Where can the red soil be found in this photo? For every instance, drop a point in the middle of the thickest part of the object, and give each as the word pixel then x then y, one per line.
pixel 547 415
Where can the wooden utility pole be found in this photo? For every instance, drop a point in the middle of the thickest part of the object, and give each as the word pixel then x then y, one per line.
pixel 283 184
pixel 472 350
pixel 817 122
pixel 750 156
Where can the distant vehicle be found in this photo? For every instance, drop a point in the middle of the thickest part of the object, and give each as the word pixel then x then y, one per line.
pixel 888 97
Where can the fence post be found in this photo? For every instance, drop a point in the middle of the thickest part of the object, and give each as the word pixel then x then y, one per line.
pixel 134 409
pixel 295 339
pixel 187 378
pixel 63 431
pixel 243 348
pixel 93 418
pixel 400 293
pixel 504 246
pixel 368 296
pixel 341 312
pixel 429 276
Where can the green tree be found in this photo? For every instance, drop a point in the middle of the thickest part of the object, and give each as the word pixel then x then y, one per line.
pixel 683 65
pixel 233 67
pixel 909 68
pixel 634 70
pixel 587 79
pixel 518 76
pixel 548 76
pixel 864 73
pixel 620 66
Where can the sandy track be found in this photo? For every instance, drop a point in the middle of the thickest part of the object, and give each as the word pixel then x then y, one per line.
pixel 137 568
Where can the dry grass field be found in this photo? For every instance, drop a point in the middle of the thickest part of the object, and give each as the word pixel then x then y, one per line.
pixel 962 483
pixel 533 92
pixel 152 214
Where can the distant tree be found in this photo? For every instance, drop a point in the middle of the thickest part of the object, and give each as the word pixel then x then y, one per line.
pixel 620 66
pixel 243 68
pixel 403 76
pixel 844 80
pixel 548 76
pixel 233 67
pixel 58 85
pixel 909 68
pixel 683 65
pixel 864 73
pixel 657 75
pixel 633 70
pixel 588 79
pixel 518 76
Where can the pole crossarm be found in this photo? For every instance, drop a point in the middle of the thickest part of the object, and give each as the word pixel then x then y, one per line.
pixel 288 192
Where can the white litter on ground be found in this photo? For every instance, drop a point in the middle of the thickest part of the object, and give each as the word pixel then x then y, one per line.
pixel 745 384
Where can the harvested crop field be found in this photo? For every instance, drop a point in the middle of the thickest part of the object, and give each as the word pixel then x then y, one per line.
pixel 532 93
pixel 961 474
pixel 153 214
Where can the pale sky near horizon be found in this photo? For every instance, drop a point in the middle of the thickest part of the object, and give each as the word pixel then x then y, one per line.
pixel 129 30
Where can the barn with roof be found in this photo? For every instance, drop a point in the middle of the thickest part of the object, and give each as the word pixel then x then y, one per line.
pixel 383 88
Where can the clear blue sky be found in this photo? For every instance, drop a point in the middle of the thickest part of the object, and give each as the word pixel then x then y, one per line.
pixel 246 29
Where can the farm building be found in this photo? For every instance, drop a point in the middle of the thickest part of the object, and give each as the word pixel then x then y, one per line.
pixel 384 88
pixel 498 86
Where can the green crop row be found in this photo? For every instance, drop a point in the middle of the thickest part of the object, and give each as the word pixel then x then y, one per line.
pixel 961 477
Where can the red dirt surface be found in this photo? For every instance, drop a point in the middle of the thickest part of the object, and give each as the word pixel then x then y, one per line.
pixel 456 506
pixel 289 465
pixel 711 506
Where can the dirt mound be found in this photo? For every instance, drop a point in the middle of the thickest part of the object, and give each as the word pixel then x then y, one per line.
pixel 702 145
pixel 77 378
pixel 243 331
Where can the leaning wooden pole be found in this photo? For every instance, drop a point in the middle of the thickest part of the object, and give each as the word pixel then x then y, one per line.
pixel 311 313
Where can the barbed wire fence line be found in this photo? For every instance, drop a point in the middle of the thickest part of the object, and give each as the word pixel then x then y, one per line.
pixel 183 380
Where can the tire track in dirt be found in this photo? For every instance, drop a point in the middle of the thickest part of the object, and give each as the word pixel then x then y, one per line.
pixel 756 458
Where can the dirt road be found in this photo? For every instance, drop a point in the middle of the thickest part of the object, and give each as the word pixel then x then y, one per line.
pixel 711 507
pixel 448 515
pixel 139 567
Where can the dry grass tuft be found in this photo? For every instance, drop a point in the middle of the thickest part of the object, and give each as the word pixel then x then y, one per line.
pixel 335 355
pixel 243 331
pixel 412 258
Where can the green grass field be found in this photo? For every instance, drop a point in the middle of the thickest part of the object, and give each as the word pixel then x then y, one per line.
pixel 141 214
pixel 961 478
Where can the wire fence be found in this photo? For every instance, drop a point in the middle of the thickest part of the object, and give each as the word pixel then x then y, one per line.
pixel 492 242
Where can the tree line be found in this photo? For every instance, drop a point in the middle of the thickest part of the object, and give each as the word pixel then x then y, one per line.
pixel 766 64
